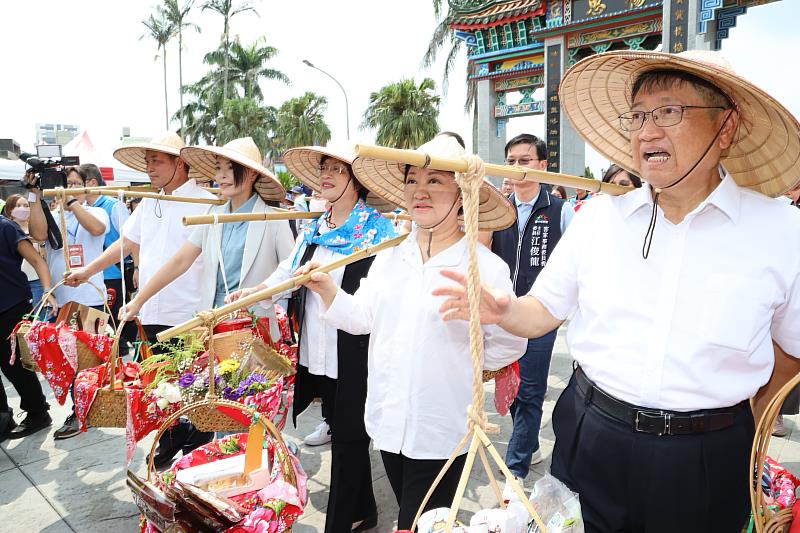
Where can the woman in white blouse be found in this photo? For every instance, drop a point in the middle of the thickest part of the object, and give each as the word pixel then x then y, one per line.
pixel 333 363
pixel 420 371
pixel 249 251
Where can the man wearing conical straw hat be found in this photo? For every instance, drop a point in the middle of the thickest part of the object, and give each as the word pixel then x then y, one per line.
pixel 155 230
pixel 654 430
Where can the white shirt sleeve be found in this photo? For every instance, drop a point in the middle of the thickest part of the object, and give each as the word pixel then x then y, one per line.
pixel 500 348
pixel 133 226
pixel 354 313
pixel 556 287
pixel 785 330
pixel 567 214
pixel 198 235
pixel 119 215
pixel 283 272
pixel 101 215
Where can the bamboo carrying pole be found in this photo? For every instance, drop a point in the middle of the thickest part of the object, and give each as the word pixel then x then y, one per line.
pixel 95 190
pixel 222 218
pixel 139 194
pixel 289 284
pixel 419 159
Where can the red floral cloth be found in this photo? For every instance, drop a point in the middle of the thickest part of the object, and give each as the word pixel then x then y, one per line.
pixel 274 508
pixel 143 417
pixel 506 386
pixel 55 351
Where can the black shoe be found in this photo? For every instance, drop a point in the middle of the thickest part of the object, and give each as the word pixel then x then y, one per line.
pixel 70 429
pixel 367 524
pixel 31 424
pixel 7 423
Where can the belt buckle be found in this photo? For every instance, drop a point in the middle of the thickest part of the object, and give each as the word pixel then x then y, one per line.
pixel 667 417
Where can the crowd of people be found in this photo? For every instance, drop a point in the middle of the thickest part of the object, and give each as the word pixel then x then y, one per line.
pixel 672 328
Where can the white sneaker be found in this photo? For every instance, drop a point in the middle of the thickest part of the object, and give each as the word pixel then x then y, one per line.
pixel 508 489
pixel 536 458
pixel 320 436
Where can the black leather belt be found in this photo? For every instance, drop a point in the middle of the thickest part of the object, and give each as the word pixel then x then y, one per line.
pixel 655 421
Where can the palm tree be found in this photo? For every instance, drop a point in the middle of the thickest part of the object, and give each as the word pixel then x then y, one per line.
pixel 246 117
pixel 404 114
pixel 300 122
pixel 441 34
pixel 246 66
pixel 227 9
pixel 177 16
pixel 161 31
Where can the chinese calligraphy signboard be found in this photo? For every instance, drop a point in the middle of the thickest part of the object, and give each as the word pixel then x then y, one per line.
pixel 553 65
pixel 678 26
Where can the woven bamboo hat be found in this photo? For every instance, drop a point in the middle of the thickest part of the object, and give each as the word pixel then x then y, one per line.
pixel 243 151
pixel 765 155
pixel 387 179
pixel 132 155
pixel 304 163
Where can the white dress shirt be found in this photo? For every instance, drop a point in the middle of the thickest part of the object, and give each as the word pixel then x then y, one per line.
pixel 92 248
pixel 317 350
pixel 157 227
pixel 691 327
pixel 420 369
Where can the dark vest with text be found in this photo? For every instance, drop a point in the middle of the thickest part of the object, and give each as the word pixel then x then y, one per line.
pixel 527 256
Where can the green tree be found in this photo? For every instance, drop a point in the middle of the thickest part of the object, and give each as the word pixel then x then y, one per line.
pixel 405 114
pixel 161 30
pixel 287 179
pixel 176 14
pixel 246 67
pixel 443 36
pixel 242 117
pixel 200 116
pixel 228 9
pixel 588 174
pixel 301 122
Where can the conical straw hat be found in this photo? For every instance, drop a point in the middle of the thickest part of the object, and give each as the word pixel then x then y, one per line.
pixel 244 151
pixel 304 163
pixel 132 155
pixel 387 179
pixel 765 155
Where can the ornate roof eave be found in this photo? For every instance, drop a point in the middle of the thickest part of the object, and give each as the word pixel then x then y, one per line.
pixel 510 73
pixel 477 14
pixel 651 9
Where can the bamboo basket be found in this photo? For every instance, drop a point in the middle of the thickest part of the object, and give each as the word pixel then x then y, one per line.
pixel 228 343
pixel 109 409
pixel 86 357
pixel 765 519
pixel 211 404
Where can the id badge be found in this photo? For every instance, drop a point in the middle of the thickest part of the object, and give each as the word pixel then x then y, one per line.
pixel 75 254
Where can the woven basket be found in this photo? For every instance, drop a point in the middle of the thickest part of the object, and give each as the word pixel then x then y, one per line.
pixel 765 519
pixel 23 352
pixel 109 409
pixel 202 405
pixel 232 342
pixel 207 418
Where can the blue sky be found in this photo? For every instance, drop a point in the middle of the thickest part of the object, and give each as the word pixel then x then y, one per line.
pixel 83 62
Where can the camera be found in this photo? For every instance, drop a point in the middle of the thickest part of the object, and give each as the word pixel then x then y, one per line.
pixel 48 166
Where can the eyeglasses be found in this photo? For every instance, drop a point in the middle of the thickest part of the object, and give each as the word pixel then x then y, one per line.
pixel 524 161
pixel 332 169
pixel 664 116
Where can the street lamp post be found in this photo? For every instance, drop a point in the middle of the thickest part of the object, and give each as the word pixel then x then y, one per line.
pixel 346 103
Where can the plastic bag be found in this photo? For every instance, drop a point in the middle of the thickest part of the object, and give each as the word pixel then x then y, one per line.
pixel 557 506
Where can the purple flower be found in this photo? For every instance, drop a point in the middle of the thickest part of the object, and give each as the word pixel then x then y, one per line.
pixel 186 379
pixel 229 394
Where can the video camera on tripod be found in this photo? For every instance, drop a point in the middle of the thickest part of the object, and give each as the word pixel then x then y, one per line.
pixel 48 166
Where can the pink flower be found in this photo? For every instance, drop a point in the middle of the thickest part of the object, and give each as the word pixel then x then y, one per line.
pixel 261 520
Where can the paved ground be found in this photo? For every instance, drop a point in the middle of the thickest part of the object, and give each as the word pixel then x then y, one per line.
pixel 78 485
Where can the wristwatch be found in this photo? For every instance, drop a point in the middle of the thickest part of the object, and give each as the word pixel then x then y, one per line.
pixel 70 202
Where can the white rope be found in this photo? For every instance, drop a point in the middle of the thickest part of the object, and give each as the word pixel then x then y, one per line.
pixel 218 241
pixel 121 198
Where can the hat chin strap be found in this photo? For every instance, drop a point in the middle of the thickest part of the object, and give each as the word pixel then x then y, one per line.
pixel 330 211
pixel 651 227
pixel 432 227
pixel 157 208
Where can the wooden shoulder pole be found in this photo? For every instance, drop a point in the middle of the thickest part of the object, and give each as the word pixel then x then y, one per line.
pixel 419 159
pixel 279 288
pixel 222 218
